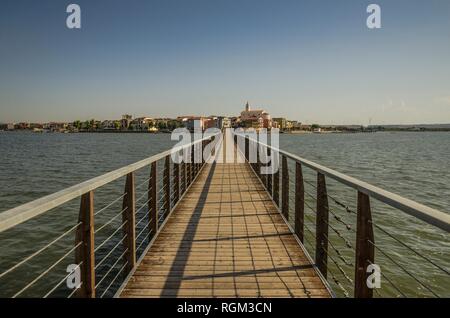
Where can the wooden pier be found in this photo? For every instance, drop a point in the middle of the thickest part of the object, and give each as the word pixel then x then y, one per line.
pixel 225 238
pixel 212 229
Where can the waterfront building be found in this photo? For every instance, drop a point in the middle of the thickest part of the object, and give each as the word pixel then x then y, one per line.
pixel 256 118
pixel 193 122
pixel 296 125
pixel 54 126
pixel 142 124
pixel 281 123
pixel 125 122
pixel 110 125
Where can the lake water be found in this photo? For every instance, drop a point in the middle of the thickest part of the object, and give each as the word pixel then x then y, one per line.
pixel 414 165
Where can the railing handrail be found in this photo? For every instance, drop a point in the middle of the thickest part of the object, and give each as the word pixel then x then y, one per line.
pixel 429 215
pixel 27 211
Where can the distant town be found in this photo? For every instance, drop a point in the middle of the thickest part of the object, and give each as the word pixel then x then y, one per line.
pixel 249 118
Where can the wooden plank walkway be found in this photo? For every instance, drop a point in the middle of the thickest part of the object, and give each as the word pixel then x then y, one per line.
pixel 225 239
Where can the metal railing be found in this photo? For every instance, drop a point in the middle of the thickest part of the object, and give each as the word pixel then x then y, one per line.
pixel 107 245
pixel 342 237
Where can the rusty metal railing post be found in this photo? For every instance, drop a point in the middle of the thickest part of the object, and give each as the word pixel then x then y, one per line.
pixel 166 186
pixel 183 177
pixel 199 157
pixel 263 176
pixel 192 176
pixel 285 188
pixel 365 251
pixel 188 174
pixel 322 225
pixel 247 148
pixel 299 202
pixel 269 176
pixel 258 162
pixel 202 155
pixel 276 186
pixel 85 252
pixel 153 200
pixel 128 206
pixel 194 160
pixel 176 182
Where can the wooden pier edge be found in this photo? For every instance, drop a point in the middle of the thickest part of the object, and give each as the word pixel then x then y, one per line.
pixel 300 244
pixel 160 228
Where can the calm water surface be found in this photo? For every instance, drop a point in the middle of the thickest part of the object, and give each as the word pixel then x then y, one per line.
pixel 414 165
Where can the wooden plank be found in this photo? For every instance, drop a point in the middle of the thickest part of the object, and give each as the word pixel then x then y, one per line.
pixel 128 216
pixel 299 202
pixel 153 215
pixel 365 250
pixel 192 163
pixel 285 188
pixel 176 182
pixel 183 178
pixel 85 253
pixel 269 177
pixel 225 239
pixel 322 225
pixel 166 185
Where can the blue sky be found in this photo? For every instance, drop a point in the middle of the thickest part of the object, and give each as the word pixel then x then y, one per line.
pixel 313 61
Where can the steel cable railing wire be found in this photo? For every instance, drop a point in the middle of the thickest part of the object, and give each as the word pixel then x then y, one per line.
pixel 110 221
pixel 111 236
pixel 61 281
pixel 140 233
pixel 410 248
pixel 341 270
pixel 343 205
pixel 344 274
pixel 144 205
pixel 46 271
pixel 311 232
pixel 143 218
pixel 111 268
pixel 145 182
pixel 337 282
pixel 390 282
pixel 111 251
pixel 394 238
pixel 161 189
pixel 335 216
pixel 26 259
pixel 110 204
pixel 173 176
pixel 162 197
pixel 114 279
pixel 143 240
pixel 403 269
pixel 339 234
pixel 339 254
pixel 162 215
pixel 75 290
pixel 390 235
pixel 387 233
pixel 141 197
